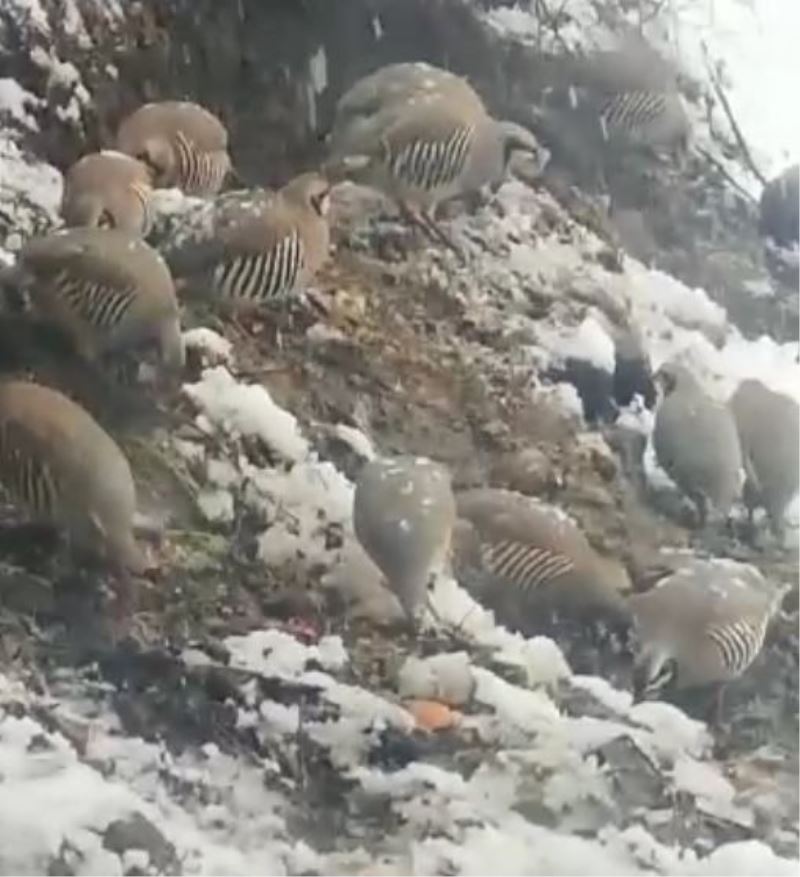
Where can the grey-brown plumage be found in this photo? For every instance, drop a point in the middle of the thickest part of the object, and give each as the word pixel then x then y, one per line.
pixel 267 253
pixel 63 468
pixel 423 138
pixel 780 207
pixel 646 118
pixel 182 143
pixel 106 288
pixel 633 65
pixel 613 102
pixel 769 434
pixel 362 109
pixel 403 515
pixel 527 557
pixel 108 190
pixel 703 624
pixel 696 442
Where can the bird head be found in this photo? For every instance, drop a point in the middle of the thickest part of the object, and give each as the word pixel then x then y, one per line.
pixel 157 156
pixel 311 190
pixel 105 220
pixel 672 376
pixel 520 147
pixel 654 671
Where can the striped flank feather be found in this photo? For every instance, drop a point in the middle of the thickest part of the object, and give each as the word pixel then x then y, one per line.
pixel 199 172
pixel 262 276
pixel 99 304
pixel 739 643
pixel 431 164
pixel 524 566
pixel 27 479
pixel 631 112
pixel 144 202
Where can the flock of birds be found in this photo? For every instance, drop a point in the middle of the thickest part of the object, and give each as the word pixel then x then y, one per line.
pixel 422 136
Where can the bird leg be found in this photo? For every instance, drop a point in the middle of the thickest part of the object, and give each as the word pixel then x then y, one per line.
pixel 428 225
pixel 438 234
pixel 701 507
pixel 717 703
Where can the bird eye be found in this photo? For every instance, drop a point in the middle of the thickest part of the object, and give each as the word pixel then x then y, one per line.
pixel 322 202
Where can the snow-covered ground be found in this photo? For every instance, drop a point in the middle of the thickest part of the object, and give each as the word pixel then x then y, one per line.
pixel 754 42
pixel 74 783
pixel 541 798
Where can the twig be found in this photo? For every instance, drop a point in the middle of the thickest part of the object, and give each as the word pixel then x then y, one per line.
pixel 723 170
pixel 543 12
pixel 737 132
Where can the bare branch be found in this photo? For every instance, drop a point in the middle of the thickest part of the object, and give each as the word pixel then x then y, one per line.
pixel 737 132
pixel 725 173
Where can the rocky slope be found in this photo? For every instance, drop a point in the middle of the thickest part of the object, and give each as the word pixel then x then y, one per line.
pixel 264 721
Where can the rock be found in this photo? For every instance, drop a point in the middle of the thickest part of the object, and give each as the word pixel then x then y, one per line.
pixel 138 833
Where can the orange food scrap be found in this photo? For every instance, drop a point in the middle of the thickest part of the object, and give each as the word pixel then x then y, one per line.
pixel 430 715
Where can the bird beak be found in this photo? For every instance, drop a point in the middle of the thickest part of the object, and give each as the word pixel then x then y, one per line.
pixel 322 202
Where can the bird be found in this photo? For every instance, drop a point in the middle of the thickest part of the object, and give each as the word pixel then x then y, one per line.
pixel 403 517
pixel 701 625
pixel 614 104
pixel 108 189
pixel 531 561
pixel 58 464
pixel 652 119
pixel 106 288
pixel 183 144
pixel 696 442
pixel 266 253
pixel 769 434
pixel 393 85
pixel 425 144
pixel 633 374
pixel 632 65
pixel 780 208
pixel 635 93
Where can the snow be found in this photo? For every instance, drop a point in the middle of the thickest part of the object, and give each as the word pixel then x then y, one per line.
pixel 33 187
pixel 446 677
pixel 29 14
pixel 247 410
pixel 224 812
pixel 210 343
pixel 356 439
pixel 273 652
pixel 216 506
pixel 756 43
pixel 300 505
pixel 17 101
pixel 588 342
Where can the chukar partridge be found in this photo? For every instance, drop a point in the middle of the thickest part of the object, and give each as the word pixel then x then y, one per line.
pixel 403 515
pixel 527 558
pixel 363 106
pixel 265 254
pixel 106 288
pixel 182 143
pixel 435 143
pixel 696 442
pixel 108 190
pixel 769 433
pixel 63 468
pixel 703 624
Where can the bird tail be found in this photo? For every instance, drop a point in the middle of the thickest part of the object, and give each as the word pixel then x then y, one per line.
pixel 173 354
